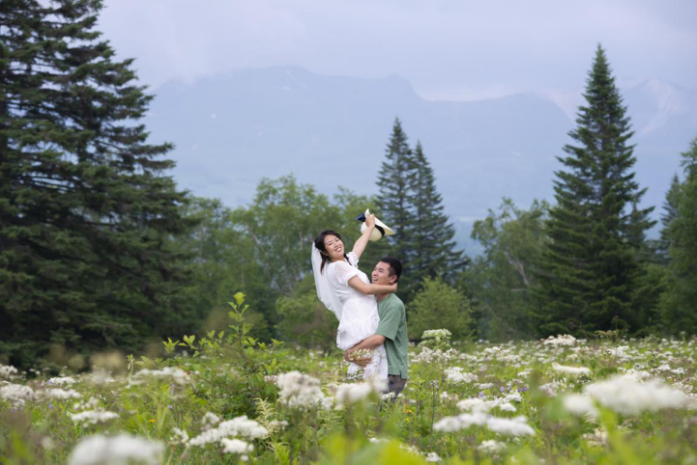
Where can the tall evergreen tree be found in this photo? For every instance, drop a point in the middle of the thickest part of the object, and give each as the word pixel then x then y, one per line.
pixel 394 202
pixel 670 212
pixel 679 302
pixel 433 246
pixel 86 214
pixel 590 265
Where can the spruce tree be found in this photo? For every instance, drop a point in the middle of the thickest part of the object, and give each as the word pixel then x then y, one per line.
pixel 86 214
pixel 394 203
pixel 679 302
pixel 590 265
pixel 670 212
pixel 433 244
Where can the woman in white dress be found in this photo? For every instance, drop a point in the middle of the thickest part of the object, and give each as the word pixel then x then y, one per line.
pixel 347 291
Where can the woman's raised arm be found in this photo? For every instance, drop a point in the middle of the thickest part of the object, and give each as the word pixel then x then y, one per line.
pixel 371 289
pixel 362 242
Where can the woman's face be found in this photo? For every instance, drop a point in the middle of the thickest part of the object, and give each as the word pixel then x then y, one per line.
pixel 334 247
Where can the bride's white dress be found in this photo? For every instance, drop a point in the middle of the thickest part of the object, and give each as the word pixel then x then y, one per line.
pixel 359 315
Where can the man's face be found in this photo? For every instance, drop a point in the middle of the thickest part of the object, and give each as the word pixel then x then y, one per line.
pixel 381 274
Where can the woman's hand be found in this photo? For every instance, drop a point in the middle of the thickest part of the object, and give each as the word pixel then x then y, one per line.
pixel 370 221
pixel 362 241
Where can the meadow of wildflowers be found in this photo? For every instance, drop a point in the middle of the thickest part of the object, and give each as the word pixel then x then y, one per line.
pixel 227 398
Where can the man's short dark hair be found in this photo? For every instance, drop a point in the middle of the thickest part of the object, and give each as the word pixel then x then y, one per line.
pixel 395 266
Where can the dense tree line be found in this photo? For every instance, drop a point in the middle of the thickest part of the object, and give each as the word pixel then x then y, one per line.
pixel 87 215
pixel 99 249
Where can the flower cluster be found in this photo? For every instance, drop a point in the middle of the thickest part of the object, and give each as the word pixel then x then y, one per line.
pixel 299 390
pixel 16 394
pixel 436 334
pixel 457 375
pixel 517 426
pixel 561 340
pixel 237 427
pixel 120 449
pixel 176 375
pixel 626 395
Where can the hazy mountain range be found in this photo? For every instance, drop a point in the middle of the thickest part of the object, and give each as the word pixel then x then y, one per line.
pixel 232 130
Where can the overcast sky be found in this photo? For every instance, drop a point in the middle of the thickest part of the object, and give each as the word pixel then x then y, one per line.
pixel 448 49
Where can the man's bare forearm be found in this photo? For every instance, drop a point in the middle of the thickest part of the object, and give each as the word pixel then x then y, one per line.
pixel 370 343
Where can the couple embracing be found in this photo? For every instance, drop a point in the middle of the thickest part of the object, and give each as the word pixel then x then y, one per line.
pixel 372 319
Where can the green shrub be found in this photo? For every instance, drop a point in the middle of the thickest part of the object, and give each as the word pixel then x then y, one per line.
pixel 438 305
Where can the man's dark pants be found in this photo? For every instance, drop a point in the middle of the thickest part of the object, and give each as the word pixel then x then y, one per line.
pixel 395 383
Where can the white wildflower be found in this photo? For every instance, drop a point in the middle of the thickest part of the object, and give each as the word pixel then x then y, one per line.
pixel 625 395
pixel 48 443
pixel 299 390
pixel 210 419
pixel 597 438
pixel 62 381
pixel 445 396
pixel 580 405
pixel 179 436
pixel 459 422
pixel 507 407
pixel 93 417
pixel 91 403
pixel 456 375
pixel 517 426
pixel 436 334
pixel 116 450
pixel 349 393
pixel 58 394
pixel 8 371
pixel 16 394
pixel 277 425
pixel 101 376
pixel 432 457
pixel 551 388
pixel 491 447
pixel 475 404
pixel 237 446
pixel 174 374
pixel 237 427
pixel 561 340
pixel 639 375
pixel 571 371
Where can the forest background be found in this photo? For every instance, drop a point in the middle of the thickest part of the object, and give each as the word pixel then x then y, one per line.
pixel 100 249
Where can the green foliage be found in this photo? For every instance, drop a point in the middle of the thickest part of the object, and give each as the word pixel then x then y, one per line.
pixel 433 249
pixel 394 200
pixel 222 377
pixel 88 215
pixel 589 268
pixel 502 278
pixel 265 249
pixel 304 320
pixel 679 302
pixel 438 305
pixel 410 204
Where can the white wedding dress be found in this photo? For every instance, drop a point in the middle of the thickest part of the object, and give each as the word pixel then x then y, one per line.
pixel 358 316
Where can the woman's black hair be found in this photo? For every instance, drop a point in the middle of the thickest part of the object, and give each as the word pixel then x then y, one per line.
pixel 319 244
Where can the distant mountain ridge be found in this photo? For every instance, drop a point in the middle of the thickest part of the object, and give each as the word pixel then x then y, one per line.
pixel 232 130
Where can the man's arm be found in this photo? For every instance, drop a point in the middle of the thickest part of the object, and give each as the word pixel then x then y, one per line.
pixel 369 343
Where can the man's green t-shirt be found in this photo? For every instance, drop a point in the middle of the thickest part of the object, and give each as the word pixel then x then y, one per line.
pixel 393 326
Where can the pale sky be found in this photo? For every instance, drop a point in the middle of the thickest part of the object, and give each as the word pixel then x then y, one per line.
pixel 448 49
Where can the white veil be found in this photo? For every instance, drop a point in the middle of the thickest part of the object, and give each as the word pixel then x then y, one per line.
pixel 324 291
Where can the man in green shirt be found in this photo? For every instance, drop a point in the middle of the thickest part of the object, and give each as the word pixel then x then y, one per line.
pixel 392 330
